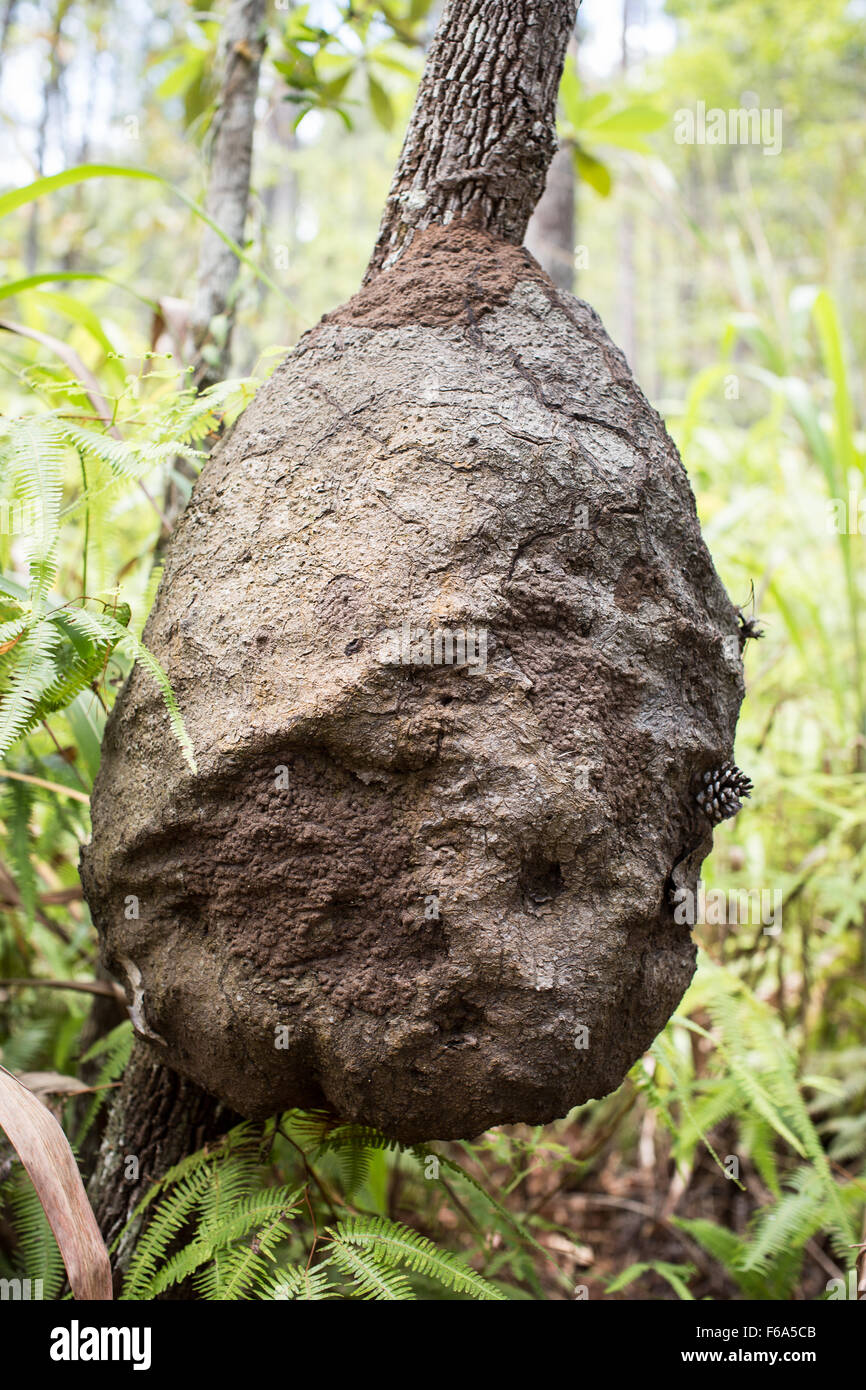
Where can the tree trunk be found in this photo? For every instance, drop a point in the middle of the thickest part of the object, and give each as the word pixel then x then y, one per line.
pixel 550 234
pixel 157 1118
pixel 6 23
pixel 435 892
pixel 243 44
pixel 213 310
pixel 482 132
pixel 627 277
pixel 552 229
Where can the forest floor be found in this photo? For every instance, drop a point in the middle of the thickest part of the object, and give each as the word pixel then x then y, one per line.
pixel 596 1225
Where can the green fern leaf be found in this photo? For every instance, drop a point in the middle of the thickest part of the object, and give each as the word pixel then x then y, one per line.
pixel 371 1278
pixel 394 1243
pixel 305 1285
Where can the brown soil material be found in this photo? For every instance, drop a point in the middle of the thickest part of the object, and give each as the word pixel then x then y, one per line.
pixel 448 273
pixel 433 899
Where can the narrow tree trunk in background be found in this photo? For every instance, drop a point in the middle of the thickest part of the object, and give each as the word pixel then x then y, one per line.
pixel 213 309
pixel 552 230
pixel 243 43
pixel 627 286
pixel 482 132
pixel 279 196
pixel 550 234
pixel 6 23
pixel 157 1117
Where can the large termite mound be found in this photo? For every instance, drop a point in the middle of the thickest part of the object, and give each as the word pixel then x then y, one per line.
pixel 454 660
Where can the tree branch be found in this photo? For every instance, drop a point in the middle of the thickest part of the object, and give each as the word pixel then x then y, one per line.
pixel 243 44
pixel 483 129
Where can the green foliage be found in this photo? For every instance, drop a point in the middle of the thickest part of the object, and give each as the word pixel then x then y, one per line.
pixel 750 1078
pixel 322 67
pixel 676 1275
pixel 215 1219
pixel 113 1049
pixel 49 658
pixel 36 1255
pixel 590 122
pixel 51 652
pixel 387 1243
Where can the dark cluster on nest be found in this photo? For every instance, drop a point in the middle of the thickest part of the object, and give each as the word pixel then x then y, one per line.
pixel 721 794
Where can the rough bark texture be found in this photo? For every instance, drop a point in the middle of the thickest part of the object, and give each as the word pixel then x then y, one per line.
pixel 482 131
pixel 158 1118
pixel 434 895
pixel 243 43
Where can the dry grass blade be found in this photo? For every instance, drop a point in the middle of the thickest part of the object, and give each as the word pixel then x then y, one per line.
pixel 52 1083
pixel 44 1150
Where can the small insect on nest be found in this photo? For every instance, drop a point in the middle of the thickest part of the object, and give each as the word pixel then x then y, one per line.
pixel 720 795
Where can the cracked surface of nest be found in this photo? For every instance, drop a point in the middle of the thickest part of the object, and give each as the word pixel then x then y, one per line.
pixel 434 897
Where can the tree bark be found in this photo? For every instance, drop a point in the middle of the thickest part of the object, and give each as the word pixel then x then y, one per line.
pixel 482 132
pixel 564 526
pixel 208 347
pixel 243 45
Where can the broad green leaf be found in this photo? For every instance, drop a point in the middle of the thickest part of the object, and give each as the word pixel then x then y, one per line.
pixel 29 282
pixel 633 120
pixel 592 171
pixel 80 173
pixel 380 102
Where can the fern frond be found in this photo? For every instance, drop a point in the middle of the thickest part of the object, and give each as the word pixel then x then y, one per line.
pixel 753 1045
pixel 167 1221
pixel 18 800
pixel 788 1224
pixel 115 1047
pixel 35 455
pixel 104 626
pixel 305 1285
pixel 726 1248
pixel 356 1136
pixel 371 1278
pixel 309 1127
pixel 38 1254
pixel 22 1051
pixel 757 1139
pixel 394 1243
pixel 246 1135
pixel 33 674
pixel 128 458
pixel 354 1167
pixel 245 1272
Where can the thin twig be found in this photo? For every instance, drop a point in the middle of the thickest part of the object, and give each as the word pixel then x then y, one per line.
pixel 106 987
pixel 49 786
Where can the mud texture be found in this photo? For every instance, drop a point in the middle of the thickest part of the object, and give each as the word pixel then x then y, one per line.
pixel 435 897
pixel 451 275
